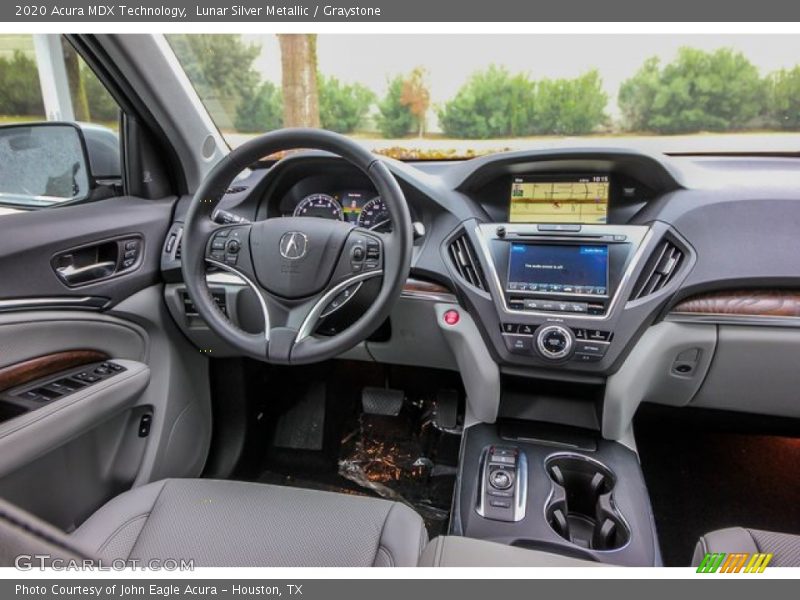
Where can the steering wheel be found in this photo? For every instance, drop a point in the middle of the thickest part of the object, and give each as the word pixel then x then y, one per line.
pixel 300 268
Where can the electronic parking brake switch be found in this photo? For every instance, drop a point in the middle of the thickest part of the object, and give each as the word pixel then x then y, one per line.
pixel 503 489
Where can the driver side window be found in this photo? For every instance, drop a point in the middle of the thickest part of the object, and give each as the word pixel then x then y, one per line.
pixel 59 140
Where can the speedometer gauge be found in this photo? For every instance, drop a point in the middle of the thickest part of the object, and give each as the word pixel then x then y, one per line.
pixel 319 205
pixel 375 215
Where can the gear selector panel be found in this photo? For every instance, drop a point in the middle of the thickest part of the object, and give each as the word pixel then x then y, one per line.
pixel 502 494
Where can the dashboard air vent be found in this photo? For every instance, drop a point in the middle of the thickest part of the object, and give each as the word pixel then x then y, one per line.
pixel 659 270
pixel 465 261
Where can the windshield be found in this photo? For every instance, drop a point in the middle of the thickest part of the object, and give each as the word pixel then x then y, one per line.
pixel 455 96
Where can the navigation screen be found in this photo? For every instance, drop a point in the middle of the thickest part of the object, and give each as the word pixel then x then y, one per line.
pixel 578 199
pixel 557 269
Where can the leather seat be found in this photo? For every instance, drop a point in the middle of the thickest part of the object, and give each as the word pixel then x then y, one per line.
pixel 784 547
pixel 237 524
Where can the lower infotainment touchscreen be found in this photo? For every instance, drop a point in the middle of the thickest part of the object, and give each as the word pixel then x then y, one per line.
pixel 558 269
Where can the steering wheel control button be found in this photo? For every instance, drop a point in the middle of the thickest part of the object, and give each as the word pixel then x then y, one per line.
pixel 358 254
pixel 554 342
pixel 373 250
pixel 451 317
pixel 500 479
pixel 226 245
pixel 340 300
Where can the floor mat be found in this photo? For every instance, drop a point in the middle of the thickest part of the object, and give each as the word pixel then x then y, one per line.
pixel 406 458
pixel 396 458
pixel 705 475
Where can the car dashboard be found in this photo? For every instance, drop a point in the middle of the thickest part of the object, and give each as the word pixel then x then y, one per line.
pixel 564 259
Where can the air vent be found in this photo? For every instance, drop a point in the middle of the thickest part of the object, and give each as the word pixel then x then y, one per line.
pixel 465 262
pixel 659 270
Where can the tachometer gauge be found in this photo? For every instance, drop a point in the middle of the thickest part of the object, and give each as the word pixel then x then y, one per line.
pixel 375 215
pixel 319 205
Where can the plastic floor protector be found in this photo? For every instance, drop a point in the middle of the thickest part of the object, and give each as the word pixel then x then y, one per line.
pixel 395 458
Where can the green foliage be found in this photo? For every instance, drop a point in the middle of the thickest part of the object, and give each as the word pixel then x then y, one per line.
pixel 783 98
pixel 102 106
pixel 342 107
pixel 698 91
pixel 260 110
pixel 217 64
pixel 395 118
pixel 20 94
pixel 220 67
pixel 570 106
pixel 495 103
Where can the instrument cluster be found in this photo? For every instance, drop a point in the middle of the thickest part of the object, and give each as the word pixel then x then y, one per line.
pixel 359 207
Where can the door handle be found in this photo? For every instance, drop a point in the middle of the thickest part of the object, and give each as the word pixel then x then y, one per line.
pixel 99 261
pixel 76 275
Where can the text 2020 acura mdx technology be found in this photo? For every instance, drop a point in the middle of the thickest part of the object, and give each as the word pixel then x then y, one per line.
pixel 298 352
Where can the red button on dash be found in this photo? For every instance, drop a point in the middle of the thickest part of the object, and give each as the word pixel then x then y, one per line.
pixel 451 317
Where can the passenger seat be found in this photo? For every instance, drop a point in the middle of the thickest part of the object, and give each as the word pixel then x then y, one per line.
pixel 784 547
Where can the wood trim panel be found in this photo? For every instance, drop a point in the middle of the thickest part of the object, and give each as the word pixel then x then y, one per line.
pixel 745 303
pixel 42 366
pixel 425 287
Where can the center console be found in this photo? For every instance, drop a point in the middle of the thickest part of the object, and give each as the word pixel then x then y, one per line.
pixel 577 495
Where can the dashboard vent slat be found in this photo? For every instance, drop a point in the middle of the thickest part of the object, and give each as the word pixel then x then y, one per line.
pixel 660 270
pixel 463 257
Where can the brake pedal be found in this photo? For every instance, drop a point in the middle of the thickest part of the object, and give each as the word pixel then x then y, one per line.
pixel 382 401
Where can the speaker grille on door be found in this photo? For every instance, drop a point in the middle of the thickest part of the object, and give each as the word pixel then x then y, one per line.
pixel 659 270
pixel 464 259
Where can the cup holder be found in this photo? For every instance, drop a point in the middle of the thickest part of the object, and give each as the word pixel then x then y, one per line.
pixel 581 508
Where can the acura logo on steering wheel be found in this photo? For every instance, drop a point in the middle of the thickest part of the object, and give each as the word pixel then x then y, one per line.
pixel 293 245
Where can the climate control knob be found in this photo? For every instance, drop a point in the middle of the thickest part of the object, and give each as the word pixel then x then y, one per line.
pixel 554 342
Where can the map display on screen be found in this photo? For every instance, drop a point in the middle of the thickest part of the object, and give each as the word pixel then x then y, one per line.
pixel 579 199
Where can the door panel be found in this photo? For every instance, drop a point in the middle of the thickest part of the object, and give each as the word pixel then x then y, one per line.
pixel 32 240
pixel 55 422
pixel 66 485
pixel 84 276
pixel 69 454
